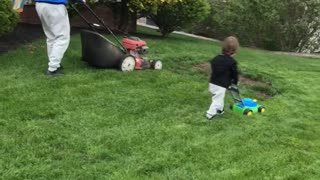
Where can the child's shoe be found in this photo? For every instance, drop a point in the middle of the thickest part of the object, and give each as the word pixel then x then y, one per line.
pixel 220 112
pixel 210 116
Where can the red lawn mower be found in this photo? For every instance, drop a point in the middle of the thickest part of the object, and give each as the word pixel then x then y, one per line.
pixel 137 48
pixel 98 51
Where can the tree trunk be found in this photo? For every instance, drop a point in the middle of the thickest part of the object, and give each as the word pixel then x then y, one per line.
pixel 124 16
pixel 133 21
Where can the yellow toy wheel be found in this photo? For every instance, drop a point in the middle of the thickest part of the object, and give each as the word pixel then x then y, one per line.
pixel 248 112
pixel 262 109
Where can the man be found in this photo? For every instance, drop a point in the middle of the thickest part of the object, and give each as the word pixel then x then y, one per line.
pixel 55 23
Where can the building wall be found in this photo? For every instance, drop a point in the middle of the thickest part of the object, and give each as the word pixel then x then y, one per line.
pixel 29 16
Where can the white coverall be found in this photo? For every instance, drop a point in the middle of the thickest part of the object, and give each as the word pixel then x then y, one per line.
pixel 218 94
pixel 56 26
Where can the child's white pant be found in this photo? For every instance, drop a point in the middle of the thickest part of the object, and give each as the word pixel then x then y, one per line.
pixel 56 26
pixel 218 94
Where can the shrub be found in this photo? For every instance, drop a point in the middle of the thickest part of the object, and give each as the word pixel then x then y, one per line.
pixel 271 24
pixel 8 17
pixel 170 17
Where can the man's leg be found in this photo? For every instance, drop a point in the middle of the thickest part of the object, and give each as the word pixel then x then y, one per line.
pixel 50 42
pixel 56 25
pixel 218 94
pixel 60 27
pixel 42 9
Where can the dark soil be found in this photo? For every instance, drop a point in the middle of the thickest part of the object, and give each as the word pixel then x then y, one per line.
pixel 23 34
pixel 263 95
pixel 205 68
pixel 247 81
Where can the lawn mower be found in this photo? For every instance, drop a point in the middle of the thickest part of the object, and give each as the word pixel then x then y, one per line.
pixel 137 48
pixel 98 51
pixel 245 106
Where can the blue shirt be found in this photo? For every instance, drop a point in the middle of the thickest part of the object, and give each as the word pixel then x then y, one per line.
pixel 53 1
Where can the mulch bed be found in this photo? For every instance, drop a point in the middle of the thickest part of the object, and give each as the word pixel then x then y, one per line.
pixel 23 34
pixel 243 79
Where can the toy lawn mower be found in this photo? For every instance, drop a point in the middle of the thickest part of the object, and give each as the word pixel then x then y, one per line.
pixel 245 106
pixel 100 52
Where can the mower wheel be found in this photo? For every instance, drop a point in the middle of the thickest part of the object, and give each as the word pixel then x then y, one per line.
pixel 262 109
pixel 231 107
pixel 157 65
pixel 128 63
pixel 248 112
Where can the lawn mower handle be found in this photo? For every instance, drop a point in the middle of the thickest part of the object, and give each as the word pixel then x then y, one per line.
pixel 100 21
pixel 89 24
pixel 234 89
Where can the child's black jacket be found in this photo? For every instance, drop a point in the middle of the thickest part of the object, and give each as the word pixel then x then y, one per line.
pixel 224 71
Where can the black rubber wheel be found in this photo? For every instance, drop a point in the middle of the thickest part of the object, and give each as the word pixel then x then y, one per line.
pixel 248 112
pixel 127 64
pixel 156 64
pixel 231 106
pixel 261 109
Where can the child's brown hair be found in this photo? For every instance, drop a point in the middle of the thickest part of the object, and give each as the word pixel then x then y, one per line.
pixel 230 46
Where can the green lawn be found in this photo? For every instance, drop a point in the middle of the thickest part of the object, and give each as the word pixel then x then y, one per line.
pixel 105 124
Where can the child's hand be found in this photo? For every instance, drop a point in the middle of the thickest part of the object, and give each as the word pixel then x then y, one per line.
pixel 233 87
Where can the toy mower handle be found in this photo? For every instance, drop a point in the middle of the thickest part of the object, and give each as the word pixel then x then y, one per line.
pixel 235 93
pixel 233 87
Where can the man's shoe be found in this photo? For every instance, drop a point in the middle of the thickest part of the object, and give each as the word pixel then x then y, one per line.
pixel 57 72
pixel 220 112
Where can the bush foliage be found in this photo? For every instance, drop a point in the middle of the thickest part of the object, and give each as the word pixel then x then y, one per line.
pixel 8 17
pixel 287 25
pixel 170 17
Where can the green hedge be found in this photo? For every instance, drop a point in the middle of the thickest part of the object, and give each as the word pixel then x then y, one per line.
pixel 171 17
pixel 8 17
pixel 270 24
